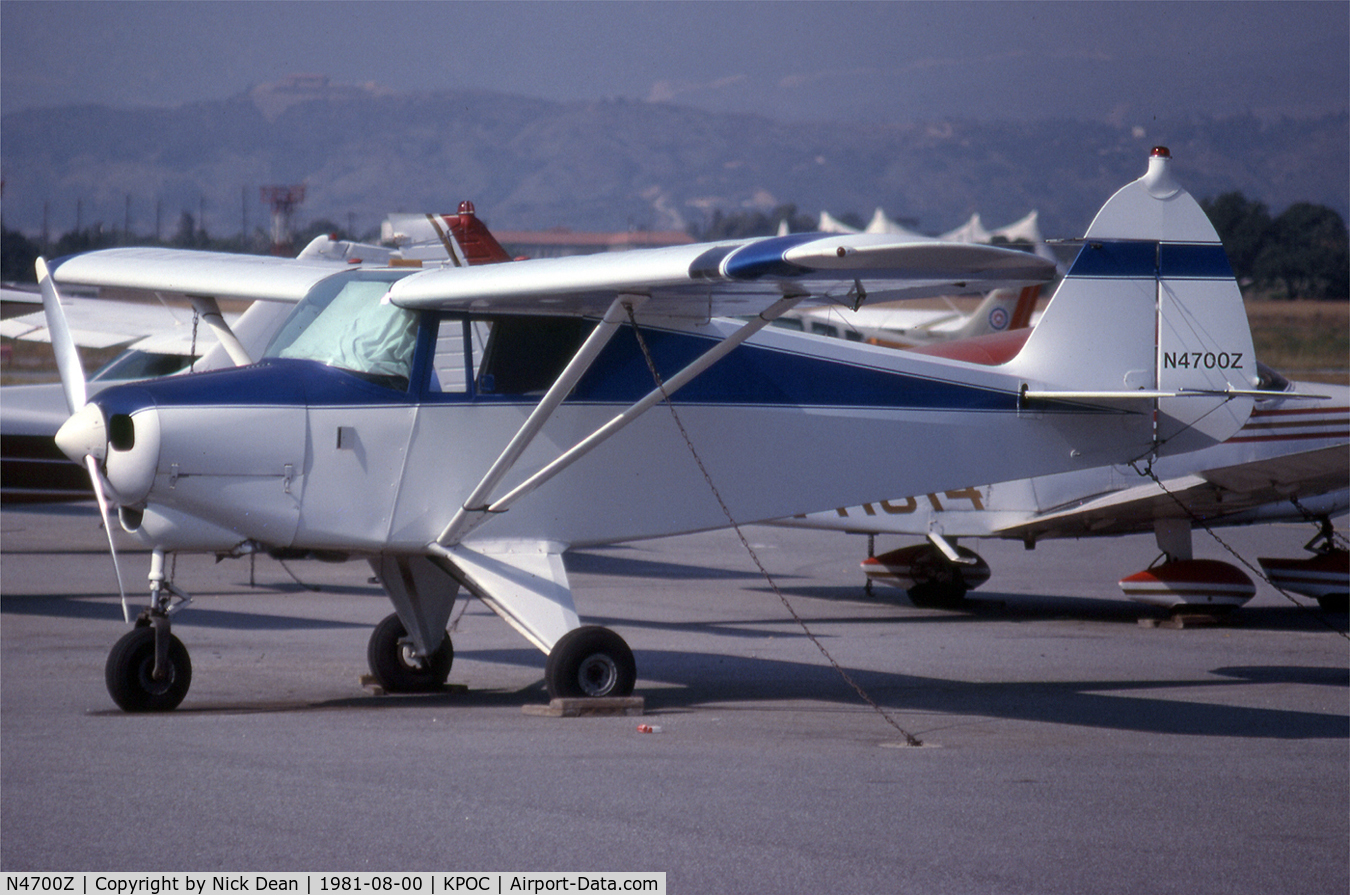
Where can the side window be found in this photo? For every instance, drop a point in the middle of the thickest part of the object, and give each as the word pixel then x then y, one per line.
pixel 458 355
pixel 524 355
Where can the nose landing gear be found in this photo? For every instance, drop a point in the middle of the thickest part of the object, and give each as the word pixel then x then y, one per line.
pixel 149 670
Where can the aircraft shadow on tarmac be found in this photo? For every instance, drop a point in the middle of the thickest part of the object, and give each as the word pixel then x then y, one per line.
pixel 746 683
pixel 586 563
pixel 995 606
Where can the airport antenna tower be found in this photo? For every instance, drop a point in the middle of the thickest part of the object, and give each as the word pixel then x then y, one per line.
pixel 284 200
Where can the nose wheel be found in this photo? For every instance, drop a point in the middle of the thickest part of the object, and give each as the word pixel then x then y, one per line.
pixel 148 670
pixel 140 680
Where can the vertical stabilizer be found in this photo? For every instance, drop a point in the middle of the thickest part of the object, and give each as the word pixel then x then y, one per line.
pixel 1150 304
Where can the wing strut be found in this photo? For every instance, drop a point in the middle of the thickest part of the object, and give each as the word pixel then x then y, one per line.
pixel 209 310
pixel 475 508
pixel 474 511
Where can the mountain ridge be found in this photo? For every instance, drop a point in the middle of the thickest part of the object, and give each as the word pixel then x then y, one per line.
pixel 614 164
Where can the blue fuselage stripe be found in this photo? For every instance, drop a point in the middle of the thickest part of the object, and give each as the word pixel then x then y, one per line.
pixel 749 376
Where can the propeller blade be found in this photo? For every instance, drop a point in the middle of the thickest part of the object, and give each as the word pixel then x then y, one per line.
pixel 92 465
pixel 63 343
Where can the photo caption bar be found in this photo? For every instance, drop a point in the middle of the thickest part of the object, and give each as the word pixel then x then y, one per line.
pixel 447 883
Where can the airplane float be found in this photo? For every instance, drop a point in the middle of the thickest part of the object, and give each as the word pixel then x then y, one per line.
pixel 462 426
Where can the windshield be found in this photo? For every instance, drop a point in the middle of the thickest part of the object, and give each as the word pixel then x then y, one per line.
pixel 136 364
pixel 343 324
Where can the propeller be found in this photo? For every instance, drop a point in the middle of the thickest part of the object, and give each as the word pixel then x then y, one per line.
pixel 88 437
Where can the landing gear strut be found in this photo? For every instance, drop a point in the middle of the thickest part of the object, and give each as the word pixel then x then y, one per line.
pixel 148 670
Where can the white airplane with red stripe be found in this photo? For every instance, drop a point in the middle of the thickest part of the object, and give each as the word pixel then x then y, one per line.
pixel 461 427
pixel 1289 462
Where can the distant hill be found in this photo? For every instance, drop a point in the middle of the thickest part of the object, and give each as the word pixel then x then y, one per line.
pixel 614 164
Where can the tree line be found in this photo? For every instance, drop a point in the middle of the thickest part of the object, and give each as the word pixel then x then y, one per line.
pixel 1303 253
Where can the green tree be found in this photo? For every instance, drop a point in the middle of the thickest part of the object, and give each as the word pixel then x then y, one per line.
pixel 188 235
pixel 1308 252
pixel 86 240
pixel 17 254
pixel 745 224
pixel 1244 226
pixel 1304 253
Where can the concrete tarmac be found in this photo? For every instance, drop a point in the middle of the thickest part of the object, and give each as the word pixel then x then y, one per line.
pixel 1067 748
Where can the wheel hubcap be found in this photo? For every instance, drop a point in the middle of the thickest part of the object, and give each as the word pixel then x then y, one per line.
pixel 146 676
pixel 597 675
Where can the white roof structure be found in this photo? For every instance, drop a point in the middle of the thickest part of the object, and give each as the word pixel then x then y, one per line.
pixel 972 232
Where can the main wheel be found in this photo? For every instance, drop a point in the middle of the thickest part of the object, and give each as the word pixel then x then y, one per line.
pixel 590 661
pixel 398 670
pixel 938 594
pixel 130 673
pixel 940 583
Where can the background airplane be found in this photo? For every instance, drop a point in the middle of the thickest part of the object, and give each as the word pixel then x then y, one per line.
pixel 894 325
pixel 1289 462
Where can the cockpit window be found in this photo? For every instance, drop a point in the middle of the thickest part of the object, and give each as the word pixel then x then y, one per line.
pixel 350 329
pixel 135 364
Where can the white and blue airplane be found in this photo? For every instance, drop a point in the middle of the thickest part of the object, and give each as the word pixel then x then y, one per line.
pixel 462 427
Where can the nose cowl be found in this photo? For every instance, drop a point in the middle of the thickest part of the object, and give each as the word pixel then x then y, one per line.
pixel 133 455
pixel 83 434
pixel 125 445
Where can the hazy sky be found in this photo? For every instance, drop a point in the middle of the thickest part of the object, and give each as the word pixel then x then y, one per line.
pixel 890 61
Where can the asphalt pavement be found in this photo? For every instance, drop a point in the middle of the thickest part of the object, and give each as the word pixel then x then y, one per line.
pixel 1067 747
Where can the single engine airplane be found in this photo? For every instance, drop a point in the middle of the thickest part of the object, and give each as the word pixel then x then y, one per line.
pixel 463 426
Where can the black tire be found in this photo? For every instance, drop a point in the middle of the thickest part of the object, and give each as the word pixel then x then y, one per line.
pixel 939 582
pixel 590 662
pixel 394 666
pixel 938 594
pixel 130 669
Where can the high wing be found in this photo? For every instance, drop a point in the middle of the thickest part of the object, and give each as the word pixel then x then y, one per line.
pixel 1210 494
pixel 179 272
pixel 732 279
pixel 101 323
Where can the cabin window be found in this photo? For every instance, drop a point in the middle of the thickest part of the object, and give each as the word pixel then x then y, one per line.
pixel 524 355
pixel 352 330
pixel 458 355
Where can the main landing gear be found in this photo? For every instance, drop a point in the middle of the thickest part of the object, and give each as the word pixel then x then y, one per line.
pixel 396 666
pixel 590 661
pixel 586 662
